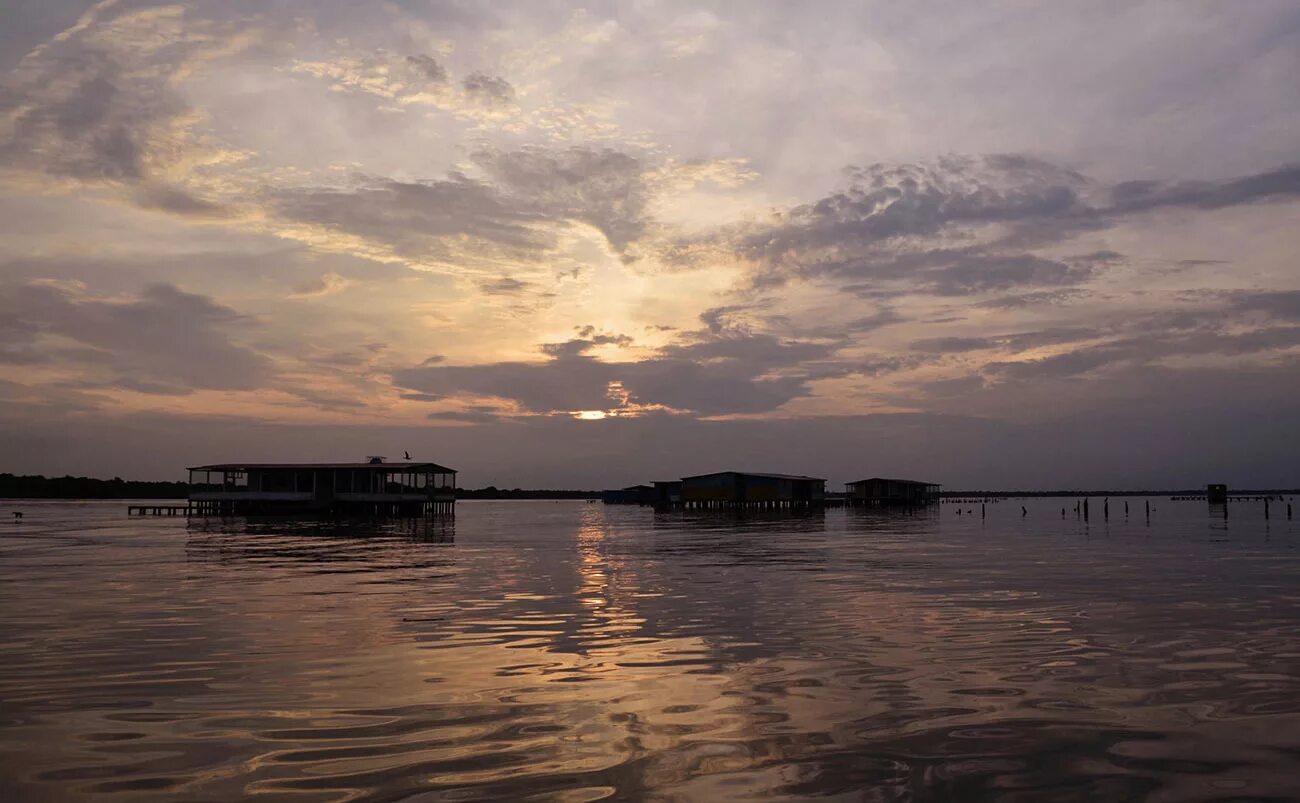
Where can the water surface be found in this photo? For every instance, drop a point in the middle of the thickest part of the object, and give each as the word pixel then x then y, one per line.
pixel 572 651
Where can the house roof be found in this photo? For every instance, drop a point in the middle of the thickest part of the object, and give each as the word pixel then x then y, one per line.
pixel 888 479
pixel 434 467
pixel 757 474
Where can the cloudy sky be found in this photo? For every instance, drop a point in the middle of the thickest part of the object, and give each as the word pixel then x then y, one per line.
pixel 994 244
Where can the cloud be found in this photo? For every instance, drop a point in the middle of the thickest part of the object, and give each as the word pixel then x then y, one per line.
pixel 1139 196
pixel 1280 305
pixel 968 226
pixel 428 67
pixel 504 286
pixel 163 341
pixel 1150 350
pixel 604 187
pixel 1011 342
pixel 704 374
pixel 515 210
pixel 488 88
pixel 327 284
pixel 99 102
pixel 418 221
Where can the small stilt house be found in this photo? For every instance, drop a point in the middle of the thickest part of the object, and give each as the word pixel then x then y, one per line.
pixel 882 491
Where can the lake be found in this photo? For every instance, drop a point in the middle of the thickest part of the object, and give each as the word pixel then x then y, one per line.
pixel 573 651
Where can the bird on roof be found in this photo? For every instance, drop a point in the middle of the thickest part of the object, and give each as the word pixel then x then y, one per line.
pixel 408 455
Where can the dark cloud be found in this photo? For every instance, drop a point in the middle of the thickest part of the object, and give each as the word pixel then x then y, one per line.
pixel 1282 305
pixel 522 191
pixel 176 201
pixel 99 103
pixel 885 203
pixel 704 374
pixel 960 272
pixel 1010 342
pixel 488 88
pixel 1148 350
pixel 1041 298
pixel 165 340
pixel 1140 196
pixel 414 217
pixel 428 68
pixel 503 286
pixel 88 120
pixel 601 186
pixel 968 226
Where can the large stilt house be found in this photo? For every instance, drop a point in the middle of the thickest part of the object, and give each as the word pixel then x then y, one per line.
pixel 374 487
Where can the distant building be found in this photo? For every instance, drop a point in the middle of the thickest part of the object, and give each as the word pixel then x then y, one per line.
pixel 668 492
pixel 882 491
pixel 741 488
pixel 1216 494
pixel 631 495
pixel 374 487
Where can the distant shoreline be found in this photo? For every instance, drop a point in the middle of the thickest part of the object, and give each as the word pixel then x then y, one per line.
pixel 38 487
pixel 1181 492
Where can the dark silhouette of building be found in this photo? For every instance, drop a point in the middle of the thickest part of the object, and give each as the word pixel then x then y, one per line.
pixel 882 491
pixel 373 487
pixel 751 489
pixel 631 495
pixel 668 492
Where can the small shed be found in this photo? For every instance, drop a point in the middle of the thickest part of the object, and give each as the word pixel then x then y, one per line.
pixel 747 488
pixel 884 491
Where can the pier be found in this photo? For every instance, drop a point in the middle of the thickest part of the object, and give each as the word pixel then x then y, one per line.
pixel 158 510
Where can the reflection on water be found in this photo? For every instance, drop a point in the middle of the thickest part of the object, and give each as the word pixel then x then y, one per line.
pixel 573 651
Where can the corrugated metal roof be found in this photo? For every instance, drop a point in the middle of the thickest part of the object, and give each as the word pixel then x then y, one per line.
pixel 887 479
pixel 757 474
pixel 434 467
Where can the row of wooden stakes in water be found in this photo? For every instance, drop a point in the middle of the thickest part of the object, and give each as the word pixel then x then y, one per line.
pixel 1081 510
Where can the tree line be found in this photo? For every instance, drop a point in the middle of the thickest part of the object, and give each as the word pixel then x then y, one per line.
pixel 36 486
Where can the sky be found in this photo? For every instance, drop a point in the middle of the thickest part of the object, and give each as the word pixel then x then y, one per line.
pixel 583 245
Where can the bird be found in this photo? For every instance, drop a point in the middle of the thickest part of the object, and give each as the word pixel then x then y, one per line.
pixel 408 455
pixel 17 515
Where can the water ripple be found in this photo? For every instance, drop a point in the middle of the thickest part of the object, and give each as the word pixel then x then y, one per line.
pixel 575 652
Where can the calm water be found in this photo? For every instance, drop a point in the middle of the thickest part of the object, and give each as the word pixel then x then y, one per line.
pixel 572 651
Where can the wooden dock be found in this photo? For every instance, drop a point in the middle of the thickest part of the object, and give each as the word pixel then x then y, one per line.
pixel 158 510
pixel 1230 498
